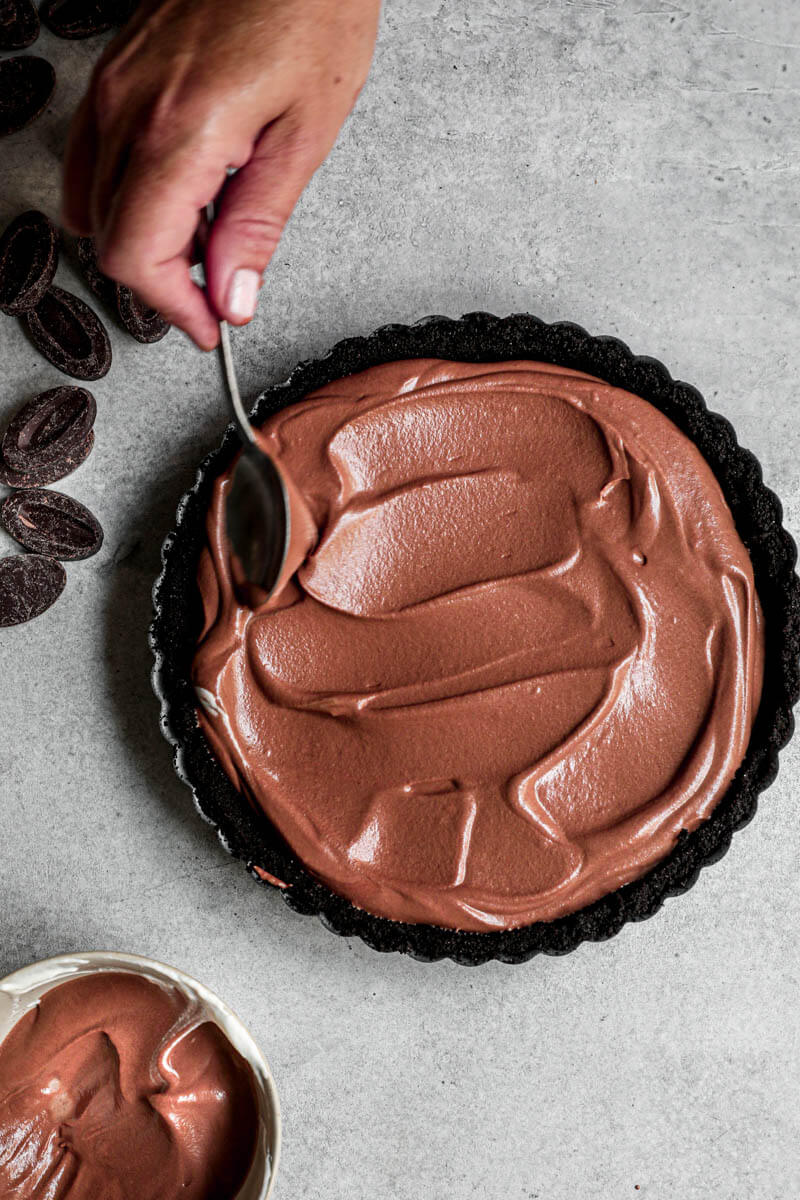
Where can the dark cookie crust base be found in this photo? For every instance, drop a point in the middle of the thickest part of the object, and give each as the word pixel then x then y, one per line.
pixel 480 337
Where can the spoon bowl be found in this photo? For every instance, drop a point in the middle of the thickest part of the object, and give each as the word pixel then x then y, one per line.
pixel 257 519
pixel 257 510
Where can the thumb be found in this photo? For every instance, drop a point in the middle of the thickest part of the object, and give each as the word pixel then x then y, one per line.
pixel 252 214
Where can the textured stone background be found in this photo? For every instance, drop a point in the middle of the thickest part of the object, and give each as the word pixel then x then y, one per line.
pixel 628 164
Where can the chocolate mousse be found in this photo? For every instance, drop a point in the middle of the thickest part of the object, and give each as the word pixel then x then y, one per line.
pixel 117 1085
pixel 522 651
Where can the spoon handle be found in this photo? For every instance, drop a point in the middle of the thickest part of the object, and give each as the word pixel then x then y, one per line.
pixel 242 422
pixel 229 371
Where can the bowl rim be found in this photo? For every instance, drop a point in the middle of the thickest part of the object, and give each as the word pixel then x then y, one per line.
pixel 757 512
pixel 33 976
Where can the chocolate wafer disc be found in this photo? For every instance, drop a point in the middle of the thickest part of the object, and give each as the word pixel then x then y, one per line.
pixel 70 335
pixel 142 322
pixel 51 523
pixel 28 261
pixel 76 19
pixel 19 24
pixel 26 85
pixel 29 584
pixel 49 472
pixel 48 428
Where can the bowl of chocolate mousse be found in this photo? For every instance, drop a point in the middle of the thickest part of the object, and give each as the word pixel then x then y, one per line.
pixel 122 1076
pixel 536 659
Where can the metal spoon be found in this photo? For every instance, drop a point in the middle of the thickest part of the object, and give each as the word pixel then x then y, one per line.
pixel 257 511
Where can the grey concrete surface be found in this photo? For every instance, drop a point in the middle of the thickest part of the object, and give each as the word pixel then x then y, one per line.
pixel 628 164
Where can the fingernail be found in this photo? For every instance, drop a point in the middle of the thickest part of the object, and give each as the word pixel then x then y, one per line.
pixel 243 293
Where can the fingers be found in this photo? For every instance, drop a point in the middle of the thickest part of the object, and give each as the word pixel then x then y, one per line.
pixel 149 232
pixel 163 282
pixel 137 197
pixel 79 161
pixel 255 206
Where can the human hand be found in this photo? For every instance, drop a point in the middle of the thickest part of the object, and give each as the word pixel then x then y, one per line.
pixel 188 89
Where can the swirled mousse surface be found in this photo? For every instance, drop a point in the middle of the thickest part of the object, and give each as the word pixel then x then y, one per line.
pixel 117 1086
pixel 521 651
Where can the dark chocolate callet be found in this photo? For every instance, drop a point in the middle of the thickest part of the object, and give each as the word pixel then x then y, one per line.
pixel 19 24
pixel 40 474
pixel 28 261
pixel 51 523
pixel 70 335
pixel 74 19
pixel 104 288
pixel 142 322
pixel 139 319
pixel 26 85
pixel 29 584
pixel 48 428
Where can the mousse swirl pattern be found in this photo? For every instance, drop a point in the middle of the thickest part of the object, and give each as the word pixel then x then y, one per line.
pixel 521 651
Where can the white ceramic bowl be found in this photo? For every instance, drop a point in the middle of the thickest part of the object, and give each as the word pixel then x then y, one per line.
pixel 20 991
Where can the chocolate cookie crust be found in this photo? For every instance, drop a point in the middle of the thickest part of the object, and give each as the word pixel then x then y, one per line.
pixel 480 337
